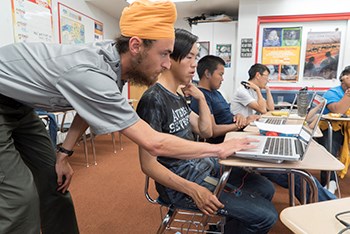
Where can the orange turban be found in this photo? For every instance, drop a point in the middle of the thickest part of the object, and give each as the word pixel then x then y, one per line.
pixel 148 20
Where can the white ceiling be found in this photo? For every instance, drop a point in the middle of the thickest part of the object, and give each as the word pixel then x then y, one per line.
pixel 184 10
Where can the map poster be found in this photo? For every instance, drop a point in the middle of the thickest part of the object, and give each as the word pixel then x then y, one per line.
pixel 32 20
pixel 72 29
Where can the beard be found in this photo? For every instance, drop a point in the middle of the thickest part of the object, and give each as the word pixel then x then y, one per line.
pixel 136 75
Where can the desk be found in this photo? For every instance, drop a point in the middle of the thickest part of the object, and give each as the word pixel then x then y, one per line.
pixel 291 120
pixel 315 218
pixel 329 119
pixel 316 158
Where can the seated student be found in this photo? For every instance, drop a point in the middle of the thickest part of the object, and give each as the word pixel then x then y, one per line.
pixel 248 206
pixel 211 76
pixel 248 100
pixel 210 72
pixel 338 101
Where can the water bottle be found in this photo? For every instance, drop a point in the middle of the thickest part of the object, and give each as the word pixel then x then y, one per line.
pixel 302 102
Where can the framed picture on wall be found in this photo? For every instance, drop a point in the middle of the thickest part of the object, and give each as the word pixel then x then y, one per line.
pixel 203 49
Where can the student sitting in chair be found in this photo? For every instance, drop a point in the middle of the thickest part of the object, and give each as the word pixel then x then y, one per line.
pixel 210 71
pixel 338 102
pixel 248 206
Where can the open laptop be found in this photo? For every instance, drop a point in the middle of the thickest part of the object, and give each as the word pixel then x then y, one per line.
pixel 277 119
pixel 290 111
pixel 278 149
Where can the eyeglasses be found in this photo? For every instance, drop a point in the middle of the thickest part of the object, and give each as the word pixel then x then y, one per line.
pixel 341 220
pixel 266 75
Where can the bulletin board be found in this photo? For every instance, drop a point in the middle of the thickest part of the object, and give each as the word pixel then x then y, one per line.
pixel 306 50
pixel 76 27
pixel 32 20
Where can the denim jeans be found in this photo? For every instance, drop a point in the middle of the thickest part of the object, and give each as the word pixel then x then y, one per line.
pixel 248 205
pixel 337 143
pixel 282 180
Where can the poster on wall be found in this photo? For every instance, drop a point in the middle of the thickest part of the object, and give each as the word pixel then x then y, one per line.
pixel 76 27
pixel 281 53
pixel 224 51
pixel 322 55
pixel 98 31
pixel 203 49
pixel 32 20
pixel 72 29
pixel 246 47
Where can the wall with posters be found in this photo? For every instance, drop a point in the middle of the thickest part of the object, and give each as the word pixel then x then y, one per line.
pixel 110 24
pixel 310 32
pixel 221 37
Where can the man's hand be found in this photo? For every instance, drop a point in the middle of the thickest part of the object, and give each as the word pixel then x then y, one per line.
pixel 205 200
pixel 64 172
pixel 192 90
pixel 252 118
pixel 254 86
pixel 240 120
pixel 231 146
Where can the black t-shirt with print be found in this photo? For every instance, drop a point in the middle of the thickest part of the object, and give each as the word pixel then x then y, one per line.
pixel 169 113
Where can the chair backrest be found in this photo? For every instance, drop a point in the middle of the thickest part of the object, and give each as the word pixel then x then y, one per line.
pixel 146 190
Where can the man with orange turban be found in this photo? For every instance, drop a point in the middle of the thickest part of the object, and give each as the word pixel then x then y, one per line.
pixel 34 177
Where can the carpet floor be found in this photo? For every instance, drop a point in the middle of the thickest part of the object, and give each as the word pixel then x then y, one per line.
pixel 109 197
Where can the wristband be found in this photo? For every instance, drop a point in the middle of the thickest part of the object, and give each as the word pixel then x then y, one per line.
pixel 65 151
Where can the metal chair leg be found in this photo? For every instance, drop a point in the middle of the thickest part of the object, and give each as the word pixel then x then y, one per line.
pixel 169 217
pixel 113 141
pixel 92 141
pixel 120 141
pixel 86 150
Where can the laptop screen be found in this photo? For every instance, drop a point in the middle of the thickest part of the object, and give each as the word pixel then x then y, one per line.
pixel 312 118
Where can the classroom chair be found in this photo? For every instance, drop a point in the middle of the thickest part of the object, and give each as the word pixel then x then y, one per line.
pixel 180 220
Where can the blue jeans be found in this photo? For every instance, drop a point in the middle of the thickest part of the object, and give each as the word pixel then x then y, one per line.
pixel 249 208
pixel 282 180
pixel 337 143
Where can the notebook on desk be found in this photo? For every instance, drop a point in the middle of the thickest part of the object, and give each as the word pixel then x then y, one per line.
pixel 278 149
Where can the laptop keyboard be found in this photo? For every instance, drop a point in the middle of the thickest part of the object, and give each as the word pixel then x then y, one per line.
pixel 275 121
pixel 278 146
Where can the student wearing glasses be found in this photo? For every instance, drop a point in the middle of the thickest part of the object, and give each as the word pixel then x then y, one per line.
pixel 248 100
pixel 210 71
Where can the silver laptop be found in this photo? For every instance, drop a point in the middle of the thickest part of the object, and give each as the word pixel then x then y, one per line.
pixel 278 149
pixel 290 111
pixel 279 120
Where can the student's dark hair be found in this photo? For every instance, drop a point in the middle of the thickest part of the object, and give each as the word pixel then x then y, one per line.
pixel 210 63
pixel 345 72
pixel 258 67
pixel 184 41
pixel 122 44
